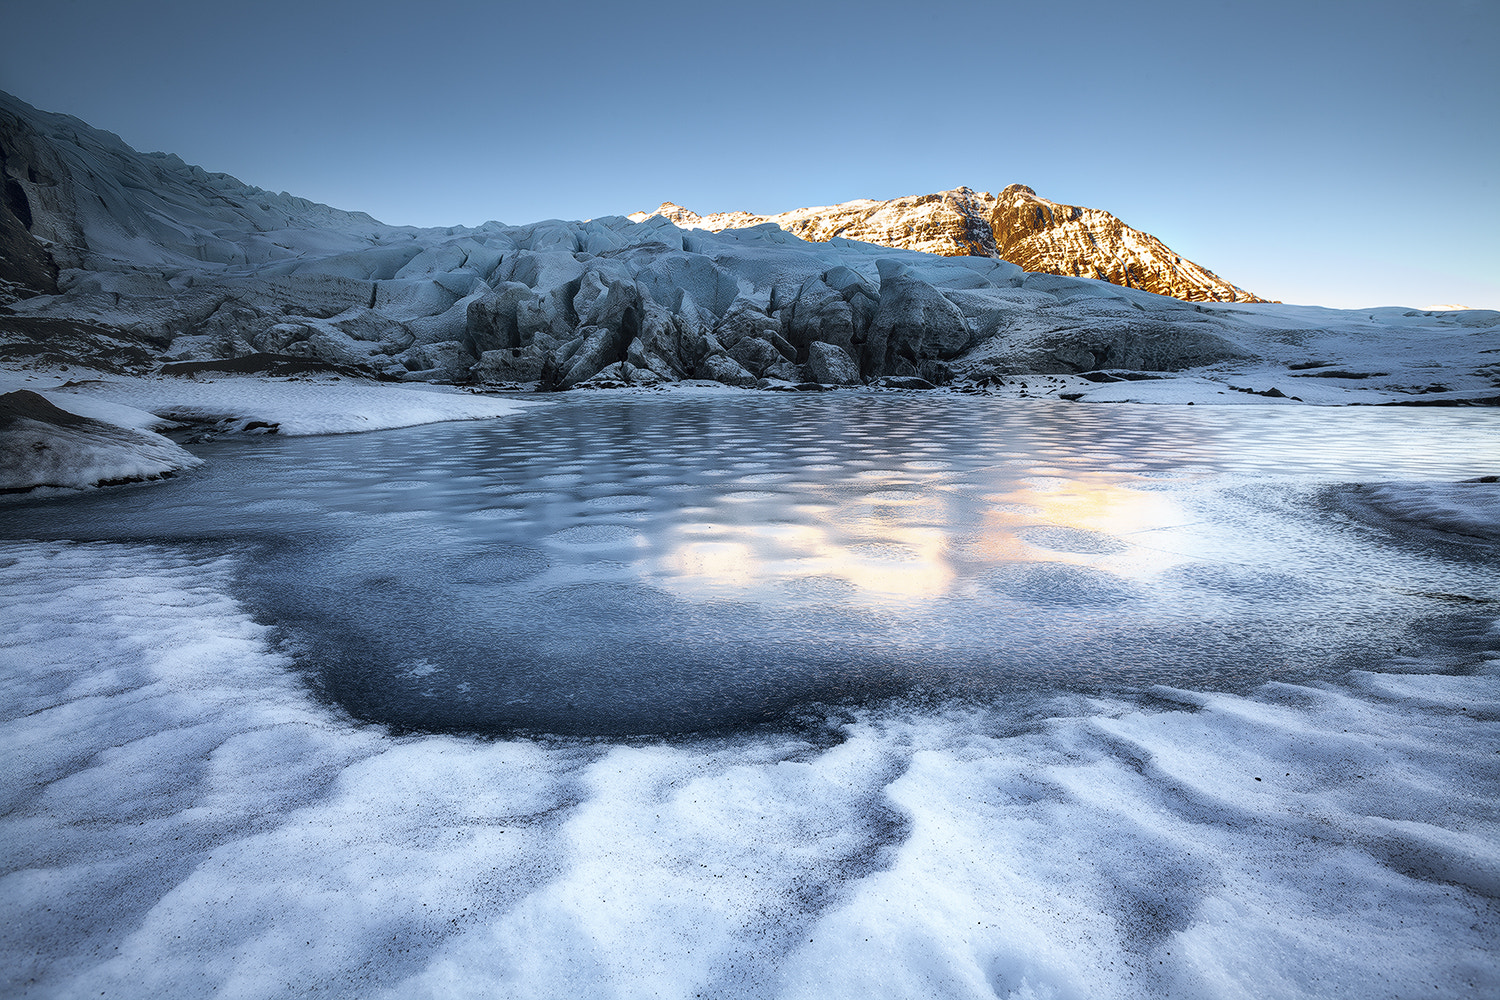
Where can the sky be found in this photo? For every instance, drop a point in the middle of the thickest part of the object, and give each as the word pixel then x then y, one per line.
pixel 1315 151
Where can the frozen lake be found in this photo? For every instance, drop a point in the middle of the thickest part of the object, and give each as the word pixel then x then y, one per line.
pixel 646 565
pixel 733 695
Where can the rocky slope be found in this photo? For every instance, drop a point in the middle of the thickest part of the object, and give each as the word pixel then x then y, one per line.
pixel 141 259
pixel 1017 226
pixel 1043 235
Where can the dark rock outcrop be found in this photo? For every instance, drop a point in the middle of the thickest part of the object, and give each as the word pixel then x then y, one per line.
pixel 43 445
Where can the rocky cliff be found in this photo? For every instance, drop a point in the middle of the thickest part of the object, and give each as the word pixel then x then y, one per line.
pixel 1043 235
pixel 1017 226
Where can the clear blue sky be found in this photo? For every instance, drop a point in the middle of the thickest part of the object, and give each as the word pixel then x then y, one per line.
pixel 1339 153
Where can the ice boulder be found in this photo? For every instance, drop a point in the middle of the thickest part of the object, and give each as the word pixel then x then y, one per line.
pixel 491 323
pixel 673 275
pixel 820 313
pixel 444 361
pixel 756 354
pixel 831 364
pixel 915 322
pixel 723 368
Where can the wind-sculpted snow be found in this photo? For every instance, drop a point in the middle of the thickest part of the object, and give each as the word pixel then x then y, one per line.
pixel 155 259
pixel 182 819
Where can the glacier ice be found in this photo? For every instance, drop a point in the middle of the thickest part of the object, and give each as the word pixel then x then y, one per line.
pixel 172 260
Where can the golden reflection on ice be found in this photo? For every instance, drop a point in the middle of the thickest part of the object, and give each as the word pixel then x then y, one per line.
pixel 724 564
pixel 909 538
pixel 1098 504
pixel 908 564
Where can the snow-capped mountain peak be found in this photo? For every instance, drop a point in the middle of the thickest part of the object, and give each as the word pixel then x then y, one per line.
pixel 1017 226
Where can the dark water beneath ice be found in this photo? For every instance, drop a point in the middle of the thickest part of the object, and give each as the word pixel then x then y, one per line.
pixel 655 564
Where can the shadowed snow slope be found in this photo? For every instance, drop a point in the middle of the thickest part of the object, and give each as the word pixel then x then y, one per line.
pixel 154 258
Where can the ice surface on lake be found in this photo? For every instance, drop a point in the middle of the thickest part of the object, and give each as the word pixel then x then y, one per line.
pixel 639 565
pixel 1470 509
pixel 184 815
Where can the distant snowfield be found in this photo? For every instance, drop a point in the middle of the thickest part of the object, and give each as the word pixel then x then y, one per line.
pixel 181 819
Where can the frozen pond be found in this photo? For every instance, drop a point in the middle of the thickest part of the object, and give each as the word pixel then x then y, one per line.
pixel 640 565
pixel 833 696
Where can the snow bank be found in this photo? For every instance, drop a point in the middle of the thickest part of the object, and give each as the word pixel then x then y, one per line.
pixel 321 405
pixel 59 432
pixel 44 446
pixel 180 818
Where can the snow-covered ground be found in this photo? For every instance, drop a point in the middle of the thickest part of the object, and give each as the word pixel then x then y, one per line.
pixel 182 819
pixel 324 404
pixel 118 440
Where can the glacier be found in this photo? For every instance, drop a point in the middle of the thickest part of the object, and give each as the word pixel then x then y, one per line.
pixel 123 259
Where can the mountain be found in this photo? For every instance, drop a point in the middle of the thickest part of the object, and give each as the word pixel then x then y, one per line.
pixel 77 197
pixel 1043 235
pixel 1017 226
